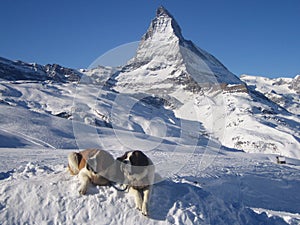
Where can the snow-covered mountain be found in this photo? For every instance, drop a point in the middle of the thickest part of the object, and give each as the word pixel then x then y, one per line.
pixel 199 87
pixel 170 86
pixel 196 120
pixel 164 56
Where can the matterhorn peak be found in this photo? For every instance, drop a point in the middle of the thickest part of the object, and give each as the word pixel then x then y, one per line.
pixel 162 11
pixel 164 25
pixel 164 56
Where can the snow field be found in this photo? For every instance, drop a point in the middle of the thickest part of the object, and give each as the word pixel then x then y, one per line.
pixel 39 190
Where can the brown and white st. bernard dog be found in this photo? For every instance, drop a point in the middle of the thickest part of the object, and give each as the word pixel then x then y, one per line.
pixel 92 166
pixel 138 171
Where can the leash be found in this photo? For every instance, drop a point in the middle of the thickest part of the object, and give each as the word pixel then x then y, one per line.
pixel 113 184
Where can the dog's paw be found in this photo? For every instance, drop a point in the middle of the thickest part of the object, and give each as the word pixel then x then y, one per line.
pixel 82 191
pixel 138 206
pixel 145 213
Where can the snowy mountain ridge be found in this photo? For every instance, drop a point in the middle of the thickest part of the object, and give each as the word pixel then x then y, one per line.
pixel 18 70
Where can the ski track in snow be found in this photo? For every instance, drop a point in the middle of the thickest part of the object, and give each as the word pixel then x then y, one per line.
pixel 28 138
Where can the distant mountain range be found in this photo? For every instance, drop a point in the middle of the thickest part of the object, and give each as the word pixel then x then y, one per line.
pixel 171 89
pixel 283 91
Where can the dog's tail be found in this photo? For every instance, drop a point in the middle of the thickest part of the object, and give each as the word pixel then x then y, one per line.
pixel 74 159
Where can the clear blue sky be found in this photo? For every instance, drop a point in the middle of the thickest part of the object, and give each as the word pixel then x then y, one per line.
pixel 259 37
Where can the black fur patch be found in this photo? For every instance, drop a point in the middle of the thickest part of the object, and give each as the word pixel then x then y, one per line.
pixel 90 168
pixel 79 157
pixel 138 158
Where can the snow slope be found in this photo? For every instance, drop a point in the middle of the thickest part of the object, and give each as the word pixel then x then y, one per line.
pixel 195 184
pixel 245 121
pixel 24 128
pixel 258 125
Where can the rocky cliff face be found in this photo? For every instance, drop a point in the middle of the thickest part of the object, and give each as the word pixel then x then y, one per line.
pixel 18 70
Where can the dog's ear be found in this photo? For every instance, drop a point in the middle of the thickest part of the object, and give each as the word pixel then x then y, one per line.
pixel 123 157
pixel 138 158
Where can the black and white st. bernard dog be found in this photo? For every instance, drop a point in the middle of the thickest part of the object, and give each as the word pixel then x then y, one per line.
pixel 138 171
pixel 92 166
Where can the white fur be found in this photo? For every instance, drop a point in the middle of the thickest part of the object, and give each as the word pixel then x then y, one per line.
pixel 84 179
pixel 142 196
pixel 84 175
pixel 137 198
pixel 146 193
pixel 142 199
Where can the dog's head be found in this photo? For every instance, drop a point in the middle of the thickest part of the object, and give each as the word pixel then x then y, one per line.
pixel 134 163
